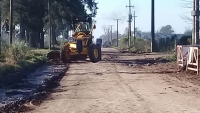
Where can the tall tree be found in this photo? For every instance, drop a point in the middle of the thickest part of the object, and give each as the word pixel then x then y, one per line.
pixel 32 16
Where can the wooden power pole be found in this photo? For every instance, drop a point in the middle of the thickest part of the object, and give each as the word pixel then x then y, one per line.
pixel 195 14
pixel 152 27
pixel 0 28
pixel 111 26
pixel 117 31
pixel 50 24
pixel 129 23
pixel 134 18
pixel 11 21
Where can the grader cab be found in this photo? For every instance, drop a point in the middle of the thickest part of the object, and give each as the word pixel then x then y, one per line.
pixel 81 45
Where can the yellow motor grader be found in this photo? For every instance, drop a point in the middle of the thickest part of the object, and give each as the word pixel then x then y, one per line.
pixel 81 45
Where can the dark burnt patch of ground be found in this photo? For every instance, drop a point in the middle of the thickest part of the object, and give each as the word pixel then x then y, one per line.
pixel 30 91
pixel 146 61
pixel 134 59
pixel 139 58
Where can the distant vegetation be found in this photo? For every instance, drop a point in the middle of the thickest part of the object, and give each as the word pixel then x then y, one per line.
pixel 166 39
pixel 141 44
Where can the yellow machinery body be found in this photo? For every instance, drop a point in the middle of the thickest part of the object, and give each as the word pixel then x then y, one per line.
pixel 73 49
pixel 81 47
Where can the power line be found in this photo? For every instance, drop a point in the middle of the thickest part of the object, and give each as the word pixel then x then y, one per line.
pixel 109 18
pixel 103 18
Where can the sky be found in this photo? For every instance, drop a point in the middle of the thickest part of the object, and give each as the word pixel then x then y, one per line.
pixel 167 12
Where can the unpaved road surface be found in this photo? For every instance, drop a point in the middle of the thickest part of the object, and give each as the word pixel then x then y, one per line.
pixel 112 87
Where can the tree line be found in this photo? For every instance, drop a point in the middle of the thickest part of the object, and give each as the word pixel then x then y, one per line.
pixel 33 17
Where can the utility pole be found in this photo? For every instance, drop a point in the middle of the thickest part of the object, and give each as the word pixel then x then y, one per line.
pixel 128 35
pixel 111 33
pixel 152 27
pixel 129 22
pixel 50 24
pixel 117 32
pixel 108 36
pixel 11 21
pixel 1 27
pixel 134 16
pixel 195 14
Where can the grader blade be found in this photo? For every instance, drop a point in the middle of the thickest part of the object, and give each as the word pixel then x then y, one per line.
pixel 53 55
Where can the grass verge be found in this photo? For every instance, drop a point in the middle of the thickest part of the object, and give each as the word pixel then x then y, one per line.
pixel 18 61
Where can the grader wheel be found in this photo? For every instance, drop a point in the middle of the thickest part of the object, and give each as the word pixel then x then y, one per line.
pixel 94 53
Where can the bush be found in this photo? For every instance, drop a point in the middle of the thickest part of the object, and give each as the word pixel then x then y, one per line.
pixel 18 56
pixel 140 44
pixel 19 51
pixel 123 43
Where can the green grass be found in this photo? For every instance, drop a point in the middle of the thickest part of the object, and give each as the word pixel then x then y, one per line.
pixel 30 59
pixel 170 57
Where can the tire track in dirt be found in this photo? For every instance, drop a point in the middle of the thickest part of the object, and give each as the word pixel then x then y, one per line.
pixel 124 84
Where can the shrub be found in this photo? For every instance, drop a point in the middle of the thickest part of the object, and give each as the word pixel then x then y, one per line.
pixel 15 53
pixel 140 44
pixel 19 51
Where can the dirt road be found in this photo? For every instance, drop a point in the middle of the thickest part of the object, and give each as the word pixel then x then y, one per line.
pixel 110 87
